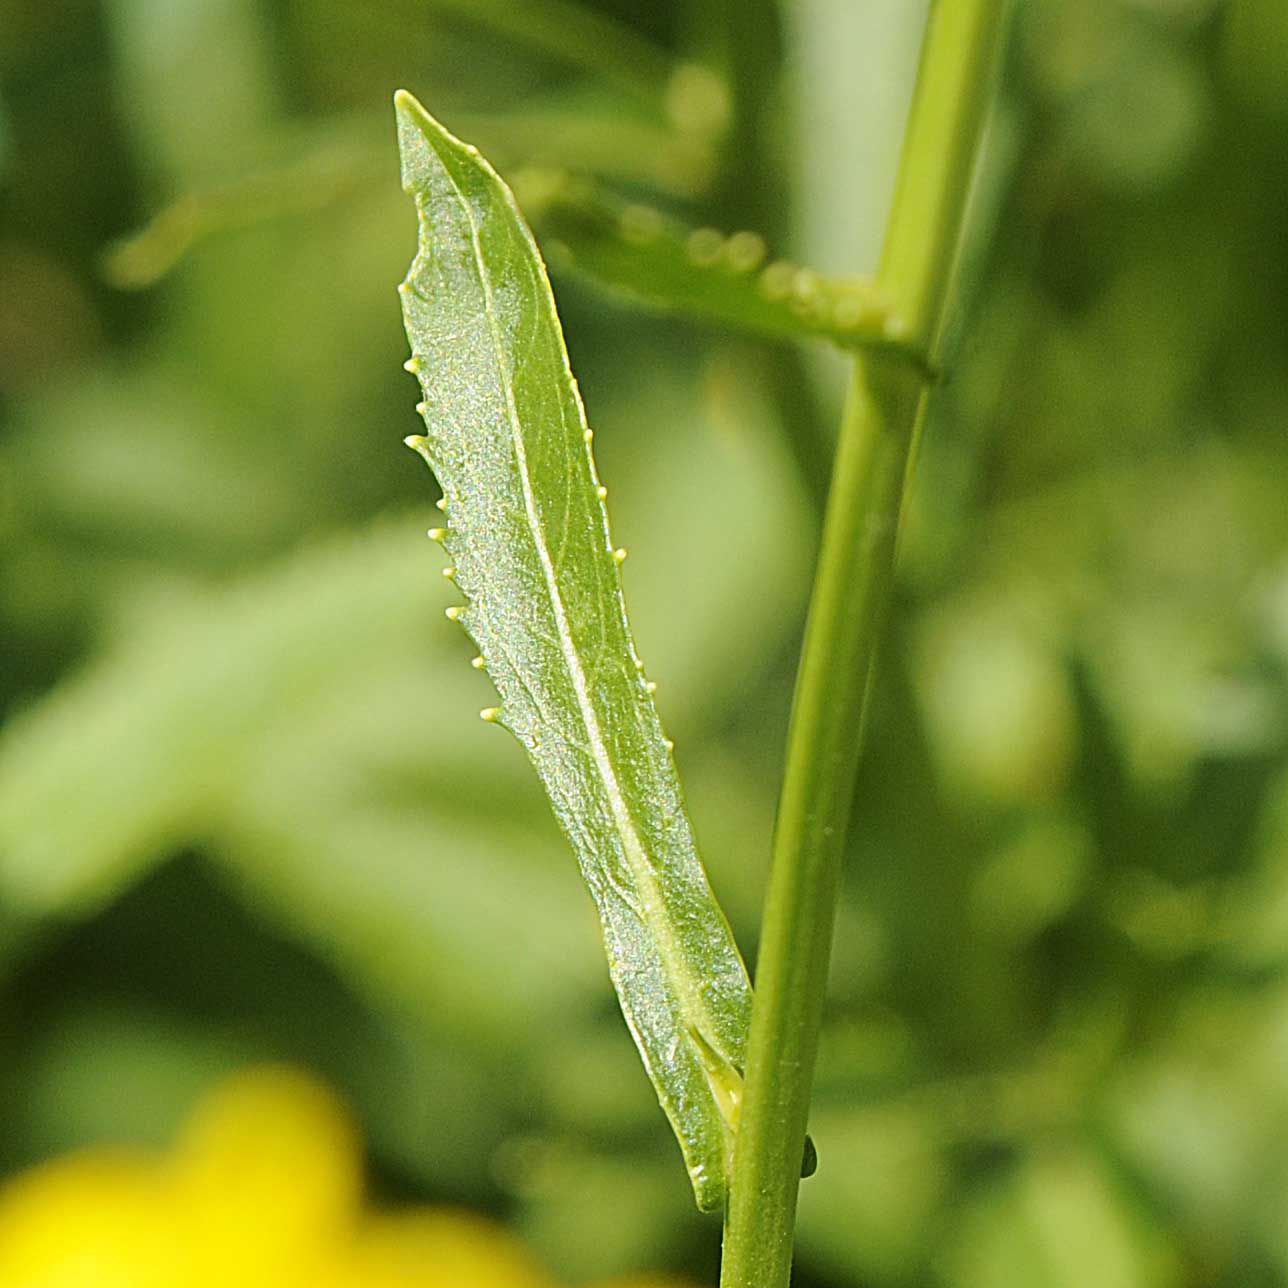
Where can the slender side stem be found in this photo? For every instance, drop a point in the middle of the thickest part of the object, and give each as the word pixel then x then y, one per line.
pixel 851 590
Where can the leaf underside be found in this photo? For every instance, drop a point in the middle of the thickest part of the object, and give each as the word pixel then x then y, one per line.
pixel 527 536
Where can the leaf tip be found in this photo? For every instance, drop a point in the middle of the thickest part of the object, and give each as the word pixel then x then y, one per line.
pixel 416 123
pixel 409 111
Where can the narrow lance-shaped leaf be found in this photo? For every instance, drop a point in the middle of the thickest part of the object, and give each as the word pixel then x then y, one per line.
pixel 701 273
pixel 528 540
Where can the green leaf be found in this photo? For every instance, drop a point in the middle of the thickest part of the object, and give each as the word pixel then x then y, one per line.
pixel 703 273
pixel 282 722
pixel 141 753
pixel 528 538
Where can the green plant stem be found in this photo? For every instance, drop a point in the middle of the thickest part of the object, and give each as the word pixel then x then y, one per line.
pixel 885 405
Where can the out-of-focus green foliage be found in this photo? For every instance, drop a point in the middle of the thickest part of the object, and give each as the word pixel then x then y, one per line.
pixel 247 808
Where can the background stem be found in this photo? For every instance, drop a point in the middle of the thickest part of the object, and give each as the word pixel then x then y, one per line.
pixel 851 590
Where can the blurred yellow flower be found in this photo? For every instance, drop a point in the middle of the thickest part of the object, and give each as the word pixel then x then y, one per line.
pixel 263 1189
